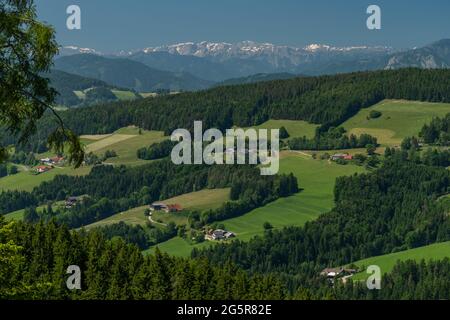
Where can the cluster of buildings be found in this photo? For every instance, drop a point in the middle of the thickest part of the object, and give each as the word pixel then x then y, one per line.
pixel 219 234
pixel 167 208
pixel 341 156
pixel 52 161
pixel 48 164
pixel 338 273
pixel 42 169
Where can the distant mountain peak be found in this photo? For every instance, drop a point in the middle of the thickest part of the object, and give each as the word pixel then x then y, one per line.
pixel 248 48
pixel 69 50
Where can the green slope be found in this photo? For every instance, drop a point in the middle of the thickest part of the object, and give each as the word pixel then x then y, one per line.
pixel 200 200
pixel 399 119
pixel 387 262
pixel 295 128
pixel 316 177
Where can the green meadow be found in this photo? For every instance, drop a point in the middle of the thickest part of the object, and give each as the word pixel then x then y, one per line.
pixel 387 262
pixel 294 128
pixel 316 178
pixel 124 95
pixel 26 180
pixel 399 119
pixel 200 200
pixel 125 142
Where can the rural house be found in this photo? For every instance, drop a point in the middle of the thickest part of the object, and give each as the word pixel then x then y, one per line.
pixel 341 156
pixel 70 202
pixel 52 161
pixel 219 234
pixel 159 206
pixel 333 273
pixel 42 169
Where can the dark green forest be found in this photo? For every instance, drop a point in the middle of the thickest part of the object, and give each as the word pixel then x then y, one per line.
pixel 108 190
pixel 391 209
pixel 36 257
pixel 325 100
pixel 333 139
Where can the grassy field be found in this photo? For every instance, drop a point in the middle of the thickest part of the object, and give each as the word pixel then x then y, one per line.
pixel 399 119
pixel 387 262
pixel 26 181
pixel 200 200
pixel 108 141
pixel 133 216
pixel 125 142
pixel 124 95
pixel 19 214
pixel 16 215
pixel 316 177
pixel 294 128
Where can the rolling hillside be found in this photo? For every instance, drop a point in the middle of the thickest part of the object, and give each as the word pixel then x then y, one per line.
pixel 328 101
pixel 435 251
pixel 129 74
pixel 315 177
pixel 200 200
pixel 74 90
pixel 399 119
pixel 260 77
pixel 125 142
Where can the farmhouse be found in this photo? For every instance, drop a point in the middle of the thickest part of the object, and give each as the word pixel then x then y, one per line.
pixel 42 169
pixel 159 206
pixel 70 202
pixel 219 234
pixel 341 156
pixel 333 273
pixel 52 161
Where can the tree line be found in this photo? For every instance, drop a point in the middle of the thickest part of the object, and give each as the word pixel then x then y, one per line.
pixel 333 139
pixel 388 210
pixel 115 270
pixel 325 100
pixel 107 190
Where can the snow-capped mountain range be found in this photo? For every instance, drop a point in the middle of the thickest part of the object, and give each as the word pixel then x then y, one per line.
pixel 244 49
pixel 250 48
pixel 218 61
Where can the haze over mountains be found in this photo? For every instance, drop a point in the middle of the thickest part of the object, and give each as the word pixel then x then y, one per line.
pixel 196 66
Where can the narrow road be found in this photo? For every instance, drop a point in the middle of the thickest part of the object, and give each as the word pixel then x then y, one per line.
pixel 153 221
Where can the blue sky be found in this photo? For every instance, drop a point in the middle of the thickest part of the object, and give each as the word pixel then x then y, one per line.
pixel 113 25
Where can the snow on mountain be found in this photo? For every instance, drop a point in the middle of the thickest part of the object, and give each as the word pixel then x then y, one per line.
pixel 244 49
pixel 273 54
pixel 71 50
pixel 249 57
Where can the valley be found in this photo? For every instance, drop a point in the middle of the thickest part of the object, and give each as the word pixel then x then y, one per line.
pixel 317 182
pixel 154 152
pixel 114 187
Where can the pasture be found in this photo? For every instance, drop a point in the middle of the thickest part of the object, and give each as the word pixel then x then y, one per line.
pixel 315 177
pixel 200 200
pixel 399 119
pixel 387 262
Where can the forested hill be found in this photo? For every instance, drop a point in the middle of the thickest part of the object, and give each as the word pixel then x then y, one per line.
pixel 323 100
pixel 389 210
